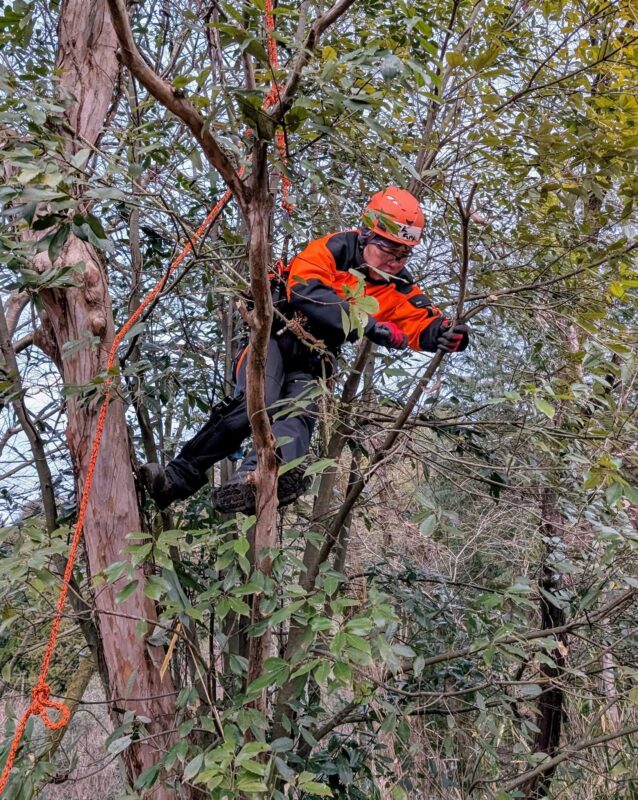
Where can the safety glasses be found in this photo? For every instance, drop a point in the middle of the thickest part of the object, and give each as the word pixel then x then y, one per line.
pixel 397 251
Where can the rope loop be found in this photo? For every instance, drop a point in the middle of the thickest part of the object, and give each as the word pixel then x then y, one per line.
pixel 42 702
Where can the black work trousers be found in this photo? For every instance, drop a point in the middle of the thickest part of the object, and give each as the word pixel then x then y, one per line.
pixel 291 377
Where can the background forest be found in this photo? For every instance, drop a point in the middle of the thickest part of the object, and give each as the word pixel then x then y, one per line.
pixel 450 612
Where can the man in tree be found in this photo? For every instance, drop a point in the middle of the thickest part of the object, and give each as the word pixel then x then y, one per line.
pixel 324 279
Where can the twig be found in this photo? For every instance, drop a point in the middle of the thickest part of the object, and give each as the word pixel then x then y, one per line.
pixel 466 214
pixel 566 754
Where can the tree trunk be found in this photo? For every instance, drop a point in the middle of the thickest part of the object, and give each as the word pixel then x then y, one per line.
pixel 551 700
pixel 259 213
pixel 86 59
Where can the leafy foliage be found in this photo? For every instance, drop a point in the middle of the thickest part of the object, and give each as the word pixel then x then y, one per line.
pixel 420 666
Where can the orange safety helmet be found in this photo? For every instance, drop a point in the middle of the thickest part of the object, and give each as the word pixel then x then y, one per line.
pixel 395 214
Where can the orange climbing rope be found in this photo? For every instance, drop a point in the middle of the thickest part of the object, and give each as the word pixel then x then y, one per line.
pixel 271 99
pixel 41 693
pixel 41 701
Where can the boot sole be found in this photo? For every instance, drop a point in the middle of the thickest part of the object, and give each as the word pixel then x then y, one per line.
pixel 290 488
pixel 154 481
pixel 232 498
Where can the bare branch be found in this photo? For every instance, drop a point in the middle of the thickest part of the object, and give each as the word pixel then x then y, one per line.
pixel 34 438
pixel 529 287
pixel 466 213
pixel 566 754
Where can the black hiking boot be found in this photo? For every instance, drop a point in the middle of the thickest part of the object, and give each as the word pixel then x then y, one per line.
pixel 239 493
pixel 236 495
pixel 158 485
pixel 292 485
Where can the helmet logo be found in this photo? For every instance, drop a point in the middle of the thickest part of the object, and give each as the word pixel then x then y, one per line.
pixel 410 232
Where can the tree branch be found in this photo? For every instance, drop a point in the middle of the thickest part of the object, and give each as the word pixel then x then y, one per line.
pixel 566 754
pixel 171 99
pixel 305 52
pixel 33 437
pixel 466 213
pixel 529 287
pixel 14 308
pixel 308 580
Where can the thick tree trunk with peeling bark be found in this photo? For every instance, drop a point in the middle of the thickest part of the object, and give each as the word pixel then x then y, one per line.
pixel 89 68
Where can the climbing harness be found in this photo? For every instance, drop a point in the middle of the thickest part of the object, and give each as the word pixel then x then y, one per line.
pixel 41 701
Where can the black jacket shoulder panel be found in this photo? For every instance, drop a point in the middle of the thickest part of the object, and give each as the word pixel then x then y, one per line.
pixel 344 248
pixel 420 301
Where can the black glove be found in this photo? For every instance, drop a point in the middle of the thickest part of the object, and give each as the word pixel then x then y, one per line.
pixel 455 337
pixel 387 334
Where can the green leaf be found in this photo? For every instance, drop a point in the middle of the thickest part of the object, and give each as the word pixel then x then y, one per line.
pixel 239 606
pixel 631 493
pixel 320 466
pixel 57 242
pixel 275 673
pixel 342 672
pixel 284 770
pixel 312 787
pixel 252 749
pixel 255 117
pixel 251 785
pixel 241 546
pixel 238 664
pixel 154 587
pixel 96 226
pixel 291 465
pixel 119 745
pixel 455 59
pixel 282 745
pixel 126 592
pixel 614 493
pixel 429 525
pixel 545 407
pixel 403 650
pixel 193 768
pixel 148 778
pixel 531 690
pixel 284 613
pixel 80 158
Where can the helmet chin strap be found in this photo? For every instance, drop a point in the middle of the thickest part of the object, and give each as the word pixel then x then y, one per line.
pixel 365 234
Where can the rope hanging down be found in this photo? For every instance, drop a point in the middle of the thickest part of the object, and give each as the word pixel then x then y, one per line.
pixel 41 701
pixel 41 693
pixel 271 99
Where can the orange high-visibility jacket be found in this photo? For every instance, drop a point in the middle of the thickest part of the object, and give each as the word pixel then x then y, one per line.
pixel 319 275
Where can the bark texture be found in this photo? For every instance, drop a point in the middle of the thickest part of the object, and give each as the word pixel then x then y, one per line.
pixel 259 214
pixel 89 68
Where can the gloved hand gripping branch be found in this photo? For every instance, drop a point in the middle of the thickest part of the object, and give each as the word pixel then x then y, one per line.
pixel 455 336
pixel 389 335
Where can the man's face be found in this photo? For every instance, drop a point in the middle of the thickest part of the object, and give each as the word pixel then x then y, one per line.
pixel 386 256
